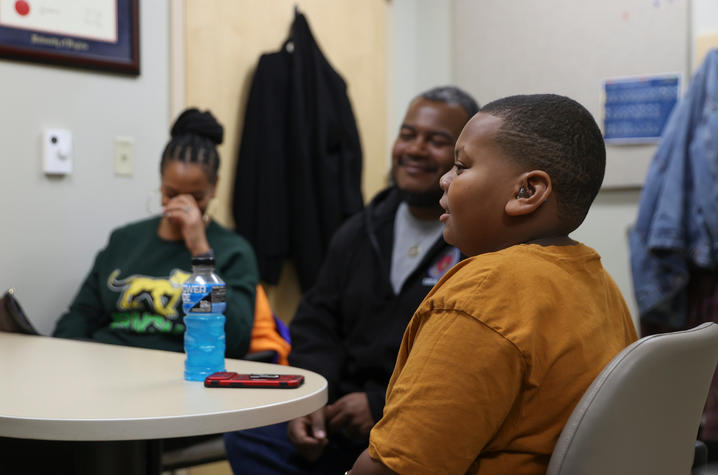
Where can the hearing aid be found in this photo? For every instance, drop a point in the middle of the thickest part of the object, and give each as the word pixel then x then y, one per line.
pixel 524 193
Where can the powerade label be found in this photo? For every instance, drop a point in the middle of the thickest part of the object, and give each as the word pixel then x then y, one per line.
pixel 204 298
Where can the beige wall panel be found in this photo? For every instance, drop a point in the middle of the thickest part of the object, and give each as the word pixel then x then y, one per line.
pixel 224 39
pixel 703 44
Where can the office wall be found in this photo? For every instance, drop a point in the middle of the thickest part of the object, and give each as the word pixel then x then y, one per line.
pixel 415 66
pixel 224 40
pixel 566 47
pixel 704 29
pixel 570 48
pixel 52 227
pixel 420 55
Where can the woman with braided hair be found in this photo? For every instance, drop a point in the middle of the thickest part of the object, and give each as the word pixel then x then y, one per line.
pixel 132 294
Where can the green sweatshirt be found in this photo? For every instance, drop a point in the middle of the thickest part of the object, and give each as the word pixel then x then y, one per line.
pixel 133 293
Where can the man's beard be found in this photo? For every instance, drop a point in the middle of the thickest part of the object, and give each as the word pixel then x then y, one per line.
pixel 419 199
pixel 424 199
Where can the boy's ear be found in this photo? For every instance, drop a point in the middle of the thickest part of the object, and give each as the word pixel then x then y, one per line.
pixel 531 191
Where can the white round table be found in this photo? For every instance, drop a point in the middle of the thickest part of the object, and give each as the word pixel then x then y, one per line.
pixel 55 389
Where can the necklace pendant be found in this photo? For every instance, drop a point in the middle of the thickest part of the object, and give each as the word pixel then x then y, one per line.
pixel 414 250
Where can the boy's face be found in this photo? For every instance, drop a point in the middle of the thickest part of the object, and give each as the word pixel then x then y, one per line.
pixel 477 189
pixel 424 149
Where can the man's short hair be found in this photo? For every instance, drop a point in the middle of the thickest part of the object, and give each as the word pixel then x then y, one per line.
pixel 558 135
pixel 451 95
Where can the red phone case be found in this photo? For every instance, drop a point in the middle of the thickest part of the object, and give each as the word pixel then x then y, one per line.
pixel 230 379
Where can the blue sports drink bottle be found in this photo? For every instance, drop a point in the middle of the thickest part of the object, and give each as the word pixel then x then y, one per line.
pixel 203 303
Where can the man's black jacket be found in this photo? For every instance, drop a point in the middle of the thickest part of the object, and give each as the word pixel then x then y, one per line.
pixel 349 326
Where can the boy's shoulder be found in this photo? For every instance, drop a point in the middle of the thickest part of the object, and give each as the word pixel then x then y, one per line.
pixel 522 259
pixel 525 292
pixel 517 263
pixel 481 285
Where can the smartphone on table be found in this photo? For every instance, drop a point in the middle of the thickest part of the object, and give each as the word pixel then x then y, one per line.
pixel 230 379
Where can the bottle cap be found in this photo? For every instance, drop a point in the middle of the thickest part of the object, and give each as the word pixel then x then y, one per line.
pixel 204 259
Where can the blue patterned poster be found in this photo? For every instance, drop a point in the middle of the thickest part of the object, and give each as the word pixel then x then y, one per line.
pixel 637 109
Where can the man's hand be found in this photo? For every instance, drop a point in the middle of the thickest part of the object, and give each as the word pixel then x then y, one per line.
pixel 351 413
pixel 308 434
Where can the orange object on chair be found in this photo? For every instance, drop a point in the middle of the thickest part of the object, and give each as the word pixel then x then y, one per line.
pixel 265 334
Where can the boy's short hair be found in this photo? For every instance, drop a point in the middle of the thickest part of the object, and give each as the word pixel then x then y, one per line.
pixel 559 136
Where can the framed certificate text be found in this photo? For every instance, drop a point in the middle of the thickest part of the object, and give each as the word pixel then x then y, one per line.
pixel 94 34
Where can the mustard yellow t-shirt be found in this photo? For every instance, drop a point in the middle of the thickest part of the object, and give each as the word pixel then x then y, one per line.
pixel 495 359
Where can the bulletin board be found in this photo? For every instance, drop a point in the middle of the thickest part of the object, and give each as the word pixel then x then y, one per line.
pixel 637 109
pixel 569 47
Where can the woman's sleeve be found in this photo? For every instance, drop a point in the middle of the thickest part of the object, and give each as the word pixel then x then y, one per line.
pixel 86 314
pixel 239 272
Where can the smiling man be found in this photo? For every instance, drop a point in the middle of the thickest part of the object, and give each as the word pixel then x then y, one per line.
pixel 348 328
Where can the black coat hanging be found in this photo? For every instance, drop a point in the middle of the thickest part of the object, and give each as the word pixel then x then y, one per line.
pixel 299 169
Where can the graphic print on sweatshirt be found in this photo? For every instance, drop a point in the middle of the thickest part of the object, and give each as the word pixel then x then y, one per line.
pixel 148 304
pixel 441 264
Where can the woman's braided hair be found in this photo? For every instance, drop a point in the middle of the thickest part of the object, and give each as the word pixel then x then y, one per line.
pixel 195 136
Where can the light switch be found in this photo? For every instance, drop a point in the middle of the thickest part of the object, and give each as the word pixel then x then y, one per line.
pixel 57 151
pixel 124 156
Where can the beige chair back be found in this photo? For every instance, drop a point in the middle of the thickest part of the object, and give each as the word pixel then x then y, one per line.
pixel 642 412
pixel 12 317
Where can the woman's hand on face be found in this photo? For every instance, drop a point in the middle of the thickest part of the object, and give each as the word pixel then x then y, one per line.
pixel 183 212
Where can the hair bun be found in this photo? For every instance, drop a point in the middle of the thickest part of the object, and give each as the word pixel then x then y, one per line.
pixel 192 121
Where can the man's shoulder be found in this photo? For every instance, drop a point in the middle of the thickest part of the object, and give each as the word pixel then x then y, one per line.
pixel 351 232
pixel 380 210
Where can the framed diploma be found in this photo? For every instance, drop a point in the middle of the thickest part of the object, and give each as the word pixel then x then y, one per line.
pixel 93 34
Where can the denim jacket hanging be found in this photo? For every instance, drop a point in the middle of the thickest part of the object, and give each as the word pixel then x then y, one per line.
pixel 677 225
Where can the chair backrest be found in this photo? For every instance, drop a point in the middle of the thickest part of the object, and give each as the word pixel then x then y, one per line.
pixel 12 317
pixel 641 414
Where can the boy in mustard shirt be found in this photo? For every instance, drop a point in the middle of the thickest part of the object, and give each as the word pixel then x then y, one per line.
pixel 506 343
